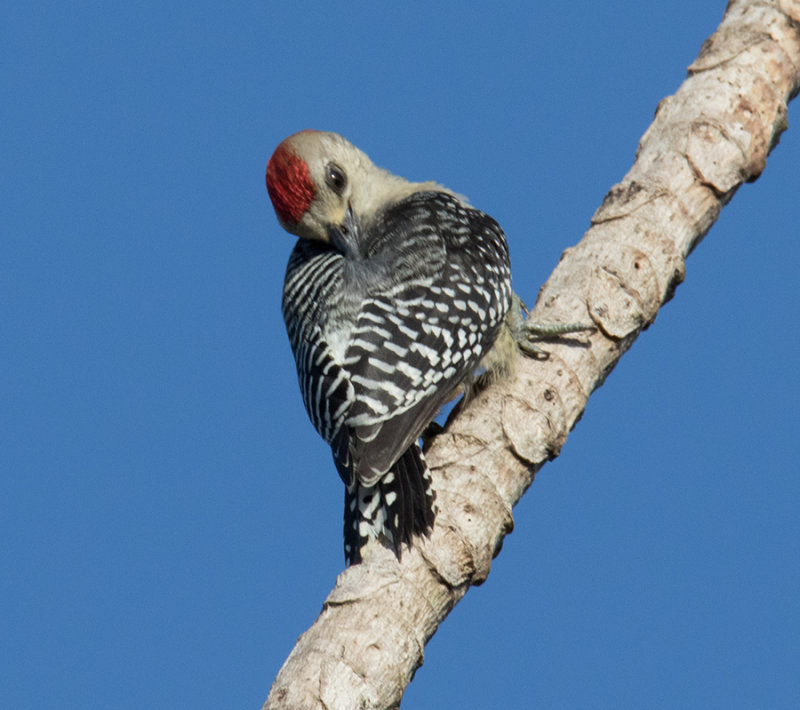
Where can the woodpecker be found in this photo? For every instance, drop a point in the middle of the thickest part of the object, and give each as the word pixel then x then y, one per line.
pixel 395 293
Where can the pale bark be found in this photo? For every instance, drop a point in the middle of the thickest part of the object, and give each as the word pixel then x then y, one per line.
pixel 706 140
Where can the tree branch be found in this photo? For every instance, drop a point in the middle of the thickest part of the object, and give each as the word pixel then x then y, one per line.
pixel 706 140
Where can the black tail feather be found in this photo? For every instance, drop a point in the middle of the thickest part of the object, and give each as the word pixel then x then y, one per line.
pixel 398 507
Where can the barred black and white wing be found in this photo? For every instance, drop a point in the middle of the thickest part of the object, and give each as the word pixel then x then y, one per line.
pixel 313 279
pixel 416 340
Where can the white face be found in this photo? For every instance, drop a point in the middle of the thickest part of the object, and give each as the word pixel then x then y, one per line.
pixel 331 160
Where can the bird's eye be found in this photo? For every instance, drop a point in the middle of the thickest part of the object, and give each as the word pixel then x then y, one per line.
pixel 335 178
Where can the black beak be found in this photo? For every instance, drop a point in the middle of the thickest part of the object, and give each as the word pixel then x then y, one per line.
pixel 344 236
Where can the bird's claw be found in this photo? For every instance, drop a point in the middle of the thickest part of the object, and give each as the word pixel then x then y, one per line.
pixel 526 332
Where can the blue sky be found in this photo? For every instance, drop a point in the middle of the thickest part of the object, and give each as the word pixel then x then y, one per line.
pixel 169 520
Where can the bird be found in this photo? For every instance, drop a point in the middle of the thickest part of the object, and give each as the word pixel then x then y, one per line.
pixel 397 293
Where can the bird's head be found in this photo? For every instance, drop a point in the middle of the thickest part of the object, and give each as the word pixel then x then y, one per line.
pixel 309 183
pixel 323 187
